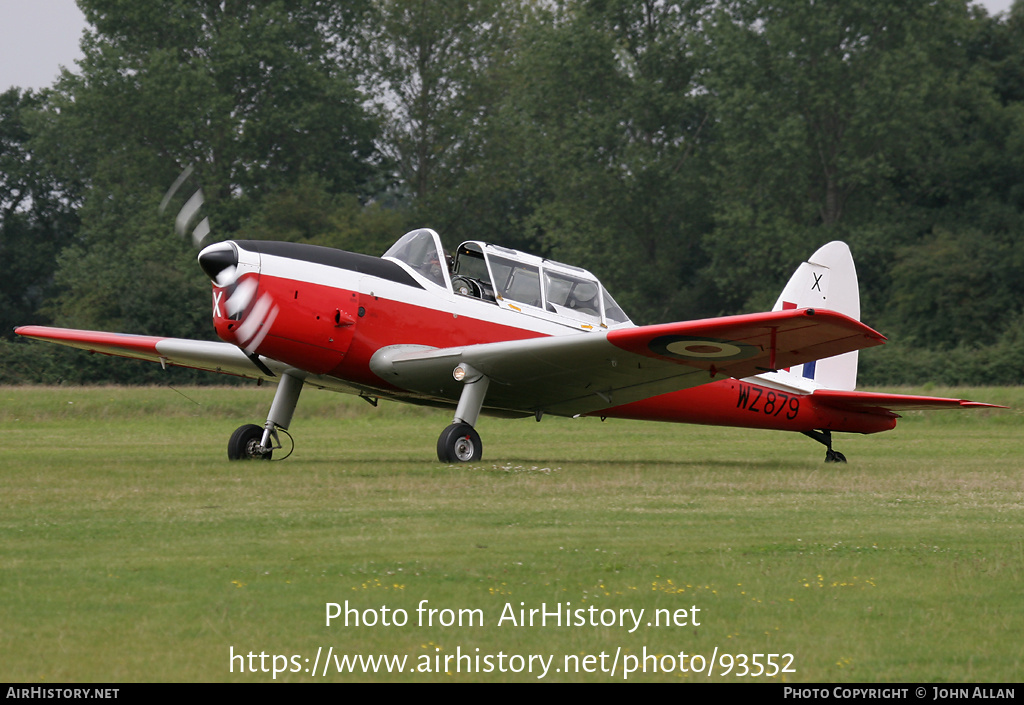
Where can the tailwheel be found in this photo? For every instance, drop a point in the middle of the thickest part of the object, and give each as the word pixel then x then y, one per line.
pixel 834 456
pixel 246 444
pixel 825 438
pixel 459 443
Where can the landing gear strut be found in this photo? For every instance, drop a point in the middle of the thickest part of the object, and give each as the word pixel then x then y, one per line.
pixel 825 438
pixel 459 442
pixel 252 442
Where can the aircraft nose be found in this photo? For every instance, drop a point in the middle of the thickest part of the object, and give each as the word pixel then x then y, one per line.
pixel 220 262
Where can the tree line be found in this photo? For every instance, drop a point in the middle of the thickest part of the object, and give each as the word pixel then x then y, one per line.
pixel 689 152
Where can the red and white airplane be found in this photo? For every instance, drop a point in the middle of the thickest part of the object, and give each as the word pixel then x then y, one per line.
pixel 505 333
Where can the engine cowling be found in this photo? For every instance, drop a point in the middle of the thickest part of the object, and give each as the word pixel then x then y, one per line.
pixel 264 308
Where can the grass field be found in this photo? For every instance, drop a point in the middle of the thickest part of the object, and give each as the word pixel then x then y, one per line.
pixel 132 550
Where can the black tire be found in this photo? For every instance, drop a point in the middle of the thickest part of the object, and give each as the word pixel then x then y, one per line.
pixel 245 444
pixel 459 443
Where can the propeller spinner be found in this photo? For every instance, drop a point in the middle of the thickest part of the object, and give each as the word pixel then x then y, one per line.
pixel 241 314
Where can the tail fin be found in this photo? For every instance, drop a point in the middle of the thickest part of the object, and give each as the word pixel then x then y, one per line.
pixel 827 280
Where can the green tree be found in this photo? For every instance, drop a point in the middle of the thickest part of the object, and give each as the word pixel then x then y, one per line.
pixel 309 213
pixel 257 97
pixel 955 288
pixel 35 221
pixel 818 107
pixel 605 113
pixel 433 67
pixel 253 95
pixel 958 283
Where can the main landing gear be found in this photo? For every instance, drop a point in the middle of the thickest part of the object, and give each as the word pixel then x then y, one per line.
pixel 460 443
pixel 825 438
pixel 252 442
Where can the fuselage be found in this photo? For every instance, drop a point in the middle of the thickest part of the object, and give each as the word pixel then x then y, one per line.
pixel 328 313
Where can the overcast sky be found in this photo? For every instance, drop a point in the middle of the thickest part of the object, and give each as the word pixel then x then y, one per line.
pixel 37 37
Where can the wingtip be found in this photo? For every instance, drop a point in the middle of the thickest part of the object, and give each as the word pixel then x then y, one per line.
pixel 980 405
pixel 869 332
pixel 31 331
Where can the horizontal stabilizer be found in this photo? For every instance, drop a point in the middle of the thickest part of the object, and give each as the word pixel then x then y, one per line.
pixel 892 403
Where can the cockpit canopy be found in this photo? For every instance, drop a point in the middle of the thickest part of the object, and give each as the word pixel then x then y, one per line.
pixel 512 280
pixel 421 249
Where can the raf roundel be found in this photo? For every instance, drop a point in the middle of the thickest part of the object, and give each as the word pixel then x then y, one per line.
pixel 700 349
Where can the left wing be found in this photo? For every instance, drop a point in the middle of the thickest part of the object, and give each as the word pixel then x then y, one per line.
pixel 198 354
pixel 222 358
pixel 587 372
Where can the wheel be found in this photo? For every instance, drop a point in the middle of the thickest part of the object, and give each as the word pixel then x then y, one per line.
pixel 834 456
pixel 459 443
pixel 245 444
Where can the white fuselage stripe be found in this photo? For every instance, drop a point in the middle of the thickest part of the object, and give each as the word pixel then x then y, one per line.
pixel 430 297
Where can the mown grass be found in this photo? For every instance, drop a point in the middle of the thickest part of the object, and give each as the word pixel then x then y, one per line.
pixel 131 550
